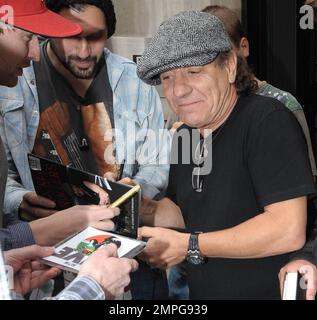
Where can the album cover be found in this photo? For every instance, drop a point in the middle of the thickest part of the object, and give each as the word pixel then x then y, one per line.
pixel 65 185
pixel 72 252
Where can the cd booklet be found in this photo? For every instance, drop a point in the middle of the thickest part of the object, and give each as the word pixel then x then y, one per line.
pixel 73 251
pixel 61 184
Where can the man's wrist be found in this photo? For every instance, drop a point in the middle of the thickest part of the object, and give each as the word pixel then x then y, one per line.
pixel 83 218
pixel 74 220
pixel 183 244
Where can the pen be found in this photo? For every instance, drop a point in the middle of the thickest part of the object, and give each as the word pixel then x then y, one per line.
pixel 125 197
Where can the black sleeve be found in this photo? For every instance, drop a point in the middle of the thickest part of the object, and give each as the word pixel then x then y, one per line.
pixel 15 233
pixel 278 160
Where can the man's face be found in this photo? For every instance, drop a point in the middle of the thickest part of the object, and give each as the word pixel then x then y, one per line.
pixel 18 48
pixel 81 54
pixel 199 95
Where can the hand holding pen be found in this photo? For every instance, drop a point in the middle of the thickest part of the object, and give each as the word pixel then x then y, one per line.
pixel 128 181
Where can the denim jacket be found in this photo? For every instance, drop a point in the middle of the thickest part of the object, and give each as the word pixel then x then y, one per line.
pixel 138 120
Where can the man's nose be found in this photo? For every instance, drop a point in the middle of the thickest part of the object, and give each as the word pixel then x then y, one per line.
pixel 83 49
pixel 182 88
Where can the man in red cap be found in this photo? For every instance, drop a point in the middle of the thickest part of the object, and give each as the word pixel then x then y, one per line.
pixel 19 21
pixel 31 17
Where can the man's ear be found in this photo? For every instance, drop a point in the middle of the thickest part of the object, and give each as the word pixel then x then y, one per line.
pixel 244 48
pixel 232 66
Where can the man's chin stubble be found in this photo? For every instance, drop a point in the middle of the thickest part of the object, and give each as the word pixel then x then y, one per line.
pixel 85 75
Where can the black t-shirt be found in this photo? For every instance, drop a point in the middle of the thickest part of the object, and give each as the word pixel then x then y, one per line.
pixel 259 157
pixel 68 121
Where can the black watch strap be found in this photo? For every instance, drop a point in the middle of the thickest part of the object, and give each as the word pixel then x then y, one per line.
pixel 194 255
pixel 193 242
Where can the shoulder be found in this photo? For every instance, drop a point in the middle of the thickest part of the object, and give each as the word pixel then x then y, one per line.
pixel 260 107
pixel 259 113
pixel 125 72
pixel 135 95
pixel 284 97
pixel 266 121
pixel 117 62
pixel 131 89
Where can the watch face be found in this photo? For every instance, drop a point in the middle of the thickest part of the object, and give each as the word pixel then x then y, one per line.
pixel 194 257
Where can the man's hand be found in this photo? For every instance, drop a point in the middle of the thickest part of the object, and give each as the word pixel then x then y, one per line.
pixel 34 206
pixel 113 177
pixel 28 272
pixel 100 217
pixel 53 229
pixel 103 195
pixel 309 273
pixel 111 272
pixel 165 248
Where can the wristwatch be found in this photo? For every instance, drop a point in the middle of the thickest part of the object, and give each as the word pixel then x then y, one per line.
pixel 194 255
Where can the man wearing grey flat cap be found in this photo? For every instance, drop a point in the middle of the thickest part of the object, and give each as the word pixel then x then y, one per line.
pixel 242 216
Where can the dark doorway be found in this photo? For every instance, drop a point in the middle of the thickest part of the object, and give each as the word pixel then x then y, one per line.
pixel 281 52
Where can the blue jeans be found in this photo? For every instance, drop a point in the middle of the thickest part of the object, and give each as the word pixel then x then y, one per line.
pixel 177 283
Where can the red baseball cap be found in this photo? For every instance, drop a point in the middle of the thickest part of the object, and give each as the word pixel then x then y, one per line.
pixel 33 16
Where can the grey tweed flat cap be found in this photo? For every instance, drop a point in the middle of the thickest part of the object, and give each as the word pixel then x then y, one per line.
pixel 190 38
